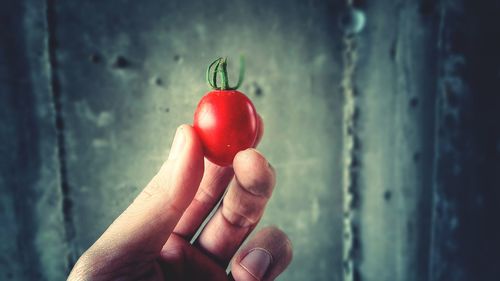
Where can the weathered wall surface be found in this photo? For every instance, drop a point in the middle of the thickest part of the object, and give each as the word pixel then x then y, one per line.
pixel 394 83
pixel 382 124
pixel 466 193
pixel 33 242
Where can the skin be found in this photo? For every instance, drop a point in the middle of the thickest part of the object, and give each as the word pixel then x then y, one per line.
pixel 150 239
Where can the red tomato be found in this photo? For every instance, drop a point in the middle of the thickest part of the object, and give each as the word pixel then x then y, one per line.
pixel 226 122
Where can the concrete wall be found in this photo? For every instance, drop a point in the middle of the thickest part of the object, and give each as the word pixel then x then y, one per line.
pixel 382 121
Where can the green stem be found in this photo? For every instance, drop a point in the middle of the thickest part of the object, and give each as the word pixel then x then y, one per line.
pixel 214 77
pixel 211 82
pixel 223 74
pixel 219 66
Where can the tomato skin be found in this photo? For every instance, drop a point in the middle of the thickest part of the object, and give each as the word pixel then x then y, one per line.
pixel 226 122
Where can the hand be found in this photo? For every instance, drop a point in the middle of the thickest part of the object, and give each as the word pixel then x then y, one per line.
pixel 150 240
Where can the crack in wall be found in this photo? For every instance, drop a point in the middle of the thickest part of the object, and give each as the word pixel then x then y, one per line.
pixel 351 243
pixel 67 204
pixel 433 254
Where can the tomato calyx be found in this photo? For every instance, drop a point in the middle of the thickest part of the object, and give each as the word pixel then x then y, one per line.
pixel 219 67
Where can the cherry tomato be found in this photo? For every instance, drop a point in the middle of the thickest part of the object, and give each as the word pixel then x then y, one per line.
pixel 225 120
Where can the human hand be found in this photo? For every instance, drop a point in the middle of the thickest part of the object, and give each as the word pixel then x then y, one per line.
pixel 150 240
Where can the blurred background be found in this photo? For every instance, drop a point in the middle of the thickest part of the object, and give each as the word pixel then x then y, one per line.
pixel 381 119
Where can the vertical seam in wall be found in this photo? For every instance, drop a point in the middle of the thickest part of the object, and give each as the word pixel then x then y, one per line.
pixel 59 122
pixel 351 247
pixel 437 110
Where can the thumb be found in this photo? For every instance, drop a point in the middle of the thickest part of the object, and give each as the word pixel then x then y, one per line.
pixel 147 223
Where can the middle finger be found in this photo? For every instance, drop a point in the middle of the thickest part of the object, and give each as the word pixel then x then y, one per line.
pixel 241 209
pixel 212 187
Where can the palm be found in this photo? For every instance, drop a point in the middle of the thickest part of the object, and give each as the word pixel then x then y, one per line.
pixel 181 261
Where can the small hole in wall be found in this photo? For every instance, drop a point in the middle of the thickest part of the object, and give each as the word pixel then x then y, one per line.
pixel 355 162
pixel 350 130
pixel 121 62
pixel 95 58
pixel 393 51
pixel 158 81
pixel 387 195
pixel 354 204
pixel 256 89
pixel 414 102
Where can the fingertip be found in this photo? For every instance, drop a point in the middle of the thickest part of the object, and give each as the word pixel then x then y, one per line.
pixel 264 257
pixel 254 172
pixel 186 147
pixel 192 140
pixel 178 179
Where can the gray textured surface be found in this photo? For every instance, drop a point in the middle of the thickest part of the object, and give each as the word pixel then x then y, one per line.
pixel 397 124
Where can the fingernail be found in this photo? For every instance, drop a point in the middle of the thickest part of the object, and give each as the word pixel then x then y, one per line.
pixel 177 144
pixel 256 262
